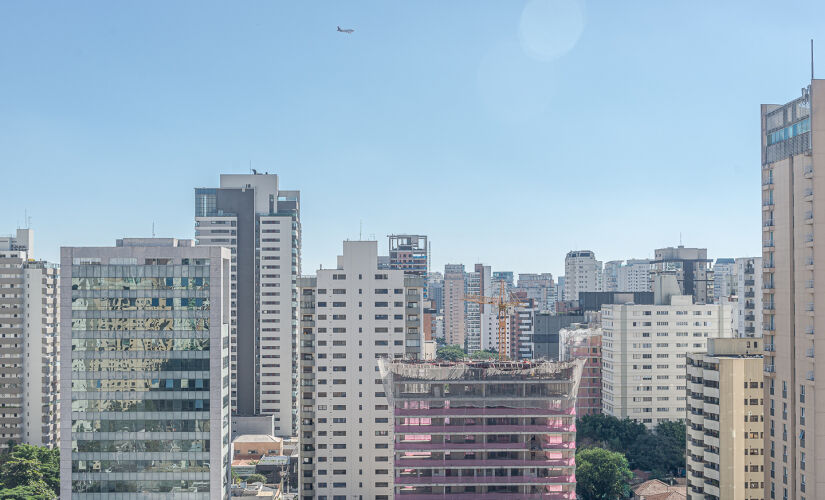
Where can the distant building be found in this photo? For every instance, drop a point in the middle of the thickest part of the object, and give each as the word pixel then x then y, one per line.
pixel 546 327
pixel 725 420
pixel 538 287
pixel 520 335
pixel 611 276
pixel 474 285
pixel 749 297
pixel 506 276
pixel 724 278
pixel 644 349
pixel 255 446
pixel 634 276
pixel 691 267
pixel 580 342
pixel 582 273
pixel 411 254
pixel 435 290
pixel 593 301
pixel 454 305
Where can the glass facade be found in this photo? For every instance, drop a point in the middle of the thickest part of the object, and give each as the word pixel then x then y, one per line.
pixel 140 385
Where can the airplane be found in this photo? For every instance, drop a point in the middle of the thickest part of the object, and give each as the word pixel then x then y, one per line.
pixel 347 31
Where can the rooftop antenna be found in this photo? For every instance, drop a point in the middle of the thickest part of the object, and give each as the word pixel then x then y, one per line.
pixel 680 238
pixel 153 229
pixel 812 58
pixel 360 229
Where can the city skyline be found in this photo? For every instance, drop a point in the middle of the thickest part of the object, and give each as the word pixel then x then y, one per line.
pixel 282 92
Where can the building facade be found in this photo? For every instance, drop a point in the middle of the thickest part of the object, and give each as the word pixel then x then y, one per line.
pixel 538 287
pixel 749 297
pixel 725 421
pixel 483 430
pixel 691 267
pixel 29 299
pixel 260 224
pixel 582 273
pixel 611 276
pixel 580 342
pixel 725 282
pixel 352 316
pixel 144 361
pixel 634 276
pixel 644 349
pixel 793 262
pixel 410 253
pixel 454 305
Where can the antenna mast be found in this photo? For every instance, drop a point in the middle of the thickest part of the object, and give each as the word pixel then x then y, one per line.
pixel 812 58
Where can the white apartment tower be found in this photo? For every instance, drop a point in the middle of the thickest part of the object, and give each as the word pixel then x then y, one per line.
pixel 260 224
pixel 29 314
pixel 582 273
pixel 644 349
pixel 611 276
pixel 455 288
pixel 634 276
pixel 724 278
pixel 749 297
pixel 350 317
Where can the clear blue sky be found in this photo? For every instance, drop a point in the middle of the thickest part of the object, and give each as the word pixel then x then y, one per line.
pixel 463 120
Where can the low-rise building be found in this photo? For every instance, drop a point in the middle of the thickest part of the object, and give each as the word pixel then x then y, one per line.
pixel 725 415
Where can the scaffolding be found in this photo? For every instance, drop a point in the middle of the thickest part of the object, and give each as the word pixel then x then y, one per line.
pixel 484 430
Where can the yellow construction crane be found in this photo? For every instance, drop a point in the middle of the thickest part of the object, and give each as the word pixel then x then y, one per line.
pixel 503 303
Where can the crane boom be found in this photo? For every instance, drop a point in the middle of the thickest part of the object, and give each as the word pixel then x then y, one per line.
pixel 503 304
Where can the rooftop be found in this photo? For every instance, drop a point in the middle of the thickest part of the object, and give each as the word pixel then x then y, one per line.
pixel 256 438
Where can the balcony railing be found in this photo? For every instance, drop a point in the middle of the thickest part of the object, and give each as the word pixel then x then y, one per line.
pixel 768 223
pixel 770 369
pixel 769 348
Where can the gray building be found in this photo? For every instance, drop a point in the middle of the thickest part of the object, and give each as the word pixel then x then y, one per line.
pixel 260 224
pixel 691 267
pixel 144 364
pixel 546 328
pixel 593 301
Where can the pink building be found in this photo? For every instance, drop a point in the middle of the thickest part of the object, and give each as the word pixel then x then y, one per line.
pixel 483 430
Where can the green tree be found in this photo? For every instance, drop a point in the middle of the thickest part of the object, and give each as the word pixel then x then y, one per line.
pixel 48 460
pixel 256 478
pixel 601 474
pixel 21 472
pixel 450 353
pixel 485 354
pixel 34 492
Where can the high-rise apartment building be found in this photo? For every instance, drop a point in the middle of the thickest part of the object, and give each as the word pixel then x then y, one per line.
pixel 644 349
pixel 29 299
pixel 582 273
pixel 725 428
pixel 483 430
pixel 473 311
pixel 691 267
pixel 611 276
pixel 538 287
pixel 454 304
pixel 634 276
pixel 793 261
pixel 144 361
pixel 725 282
pixel 749 297
pixel 350 317
pixel 506 276
pixel 435 290
pixel 260 224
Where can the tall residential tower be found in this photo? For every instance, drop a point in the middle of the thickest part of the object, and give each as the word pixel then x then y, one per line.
pixel 793 263
pixel 260 224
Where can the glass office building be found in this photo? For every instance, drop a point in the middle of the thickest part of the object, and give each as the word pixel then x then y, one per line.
pixel 145 361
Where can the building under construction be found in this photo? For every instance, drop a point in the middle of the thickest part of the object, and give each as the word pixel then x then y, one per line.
pixel 502 430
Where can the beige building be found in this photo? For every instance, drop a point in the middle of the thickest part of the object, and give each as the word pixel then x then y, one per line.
pixel 725 433
pixel 454 305
pixel 256 445
pixel 644 350
pixel 793 144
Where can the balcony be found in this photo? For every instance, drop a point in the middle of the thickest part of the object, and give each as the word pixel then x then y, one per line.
pixel 809 307
pixel 809 284
pixel 768 182
pixel 767 203
pixel 809 330
pixel 810 376
pixel 769 348
pixel 770 369
pixel 750 317
pixel 808 170
pixel 770 306
pixel 808 192
pixel 768 223
pixel 809 238
pixel 750 282
pixel 749 295
pixel 769 244
pixel 809 352
pixel 809 216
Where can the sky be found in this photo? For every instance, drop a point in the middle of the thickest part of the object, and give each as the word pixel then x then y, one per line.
pixel 509 132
